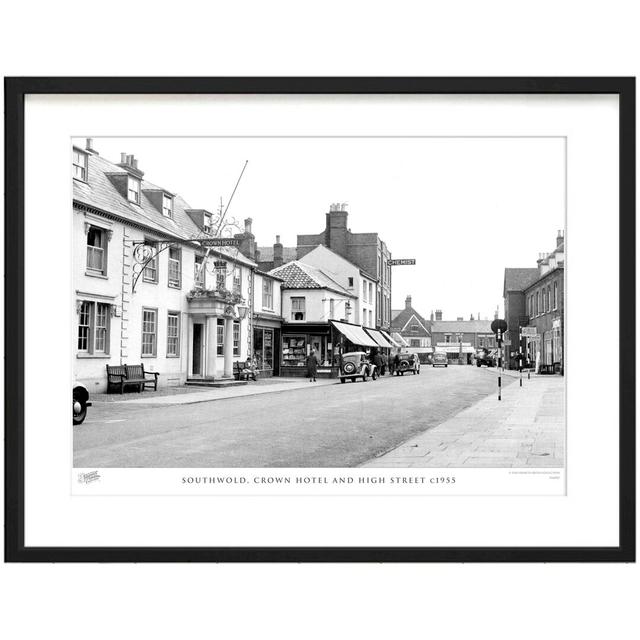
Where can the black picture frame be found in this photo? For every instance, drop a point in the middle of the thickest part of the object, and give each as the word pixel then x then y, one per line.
pixel 15 91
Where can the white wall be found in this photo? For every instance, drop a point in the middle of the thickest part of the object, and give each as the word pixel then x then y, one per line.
pixel 341 270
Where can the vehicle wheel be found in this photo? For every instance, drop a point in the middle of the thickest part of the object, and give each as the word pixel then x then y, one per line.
pixel 364 377
pixel 446 365
pixel 79 411
pixel 342 380
pixel 349 368
pixel 418 371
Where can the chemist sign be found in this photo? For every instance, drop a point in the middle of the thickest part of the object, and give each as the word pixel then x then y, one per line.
pixel 395 263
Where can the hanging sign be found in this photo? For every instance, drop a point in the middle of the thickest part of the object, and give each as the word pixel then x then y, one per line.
pixel 394 263
pixel 220 264
pixel 218 242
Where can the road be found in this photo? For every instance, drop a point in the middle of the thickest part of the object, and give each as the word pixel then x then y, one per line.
pixel 341 425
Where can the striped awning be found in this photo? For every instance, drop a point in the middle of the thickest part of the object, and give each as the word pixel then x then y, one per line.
pixel 379 337
pixel 355 334
pixel 399 340
pixel 394 343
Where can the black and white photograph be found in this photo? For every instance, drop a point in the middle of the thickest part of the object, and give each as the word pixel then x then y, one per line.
pixel 312 302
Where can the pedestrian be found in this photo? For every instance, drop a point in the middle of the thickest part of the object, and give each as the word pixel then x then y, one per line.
pixel 377 361
pixel 312 366
pixel 385 360
pixel 396 363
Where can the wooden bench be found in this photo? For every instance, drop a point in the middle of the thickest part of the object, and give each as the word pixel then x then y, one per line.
pixel 238 372
pixel 130 375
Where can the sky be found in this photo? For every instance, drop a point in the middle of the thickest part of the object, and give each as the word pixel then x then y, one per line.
pixel 464 208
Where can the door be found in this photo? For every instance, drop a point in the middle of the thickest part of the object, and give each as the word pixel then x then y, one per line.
pixel 196 367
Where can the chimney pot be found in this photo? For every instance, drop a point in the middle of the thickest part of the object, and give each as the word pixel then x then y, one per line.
pixel 89 143
pixel 247 225
pixel 407 302
pixel 123 158
pixel 134 162
pixel 277 239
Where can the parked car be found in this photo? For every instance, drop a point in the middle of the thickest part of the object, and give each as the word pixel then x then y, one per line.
pixel 408 362
pixel 440 359
pixel 486 357
pixel 80 403
pixel 355 365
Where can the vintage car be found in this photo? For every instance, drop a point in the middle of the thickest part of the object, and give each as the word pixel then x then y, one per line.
pixel 440 359
pixel 486 357
pixel 356 365
pixel 80 403
pixel 408 362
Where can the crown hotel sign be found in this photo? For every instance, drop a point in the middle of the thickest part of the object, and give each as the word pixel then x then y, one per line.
pixel 395 263
pixel 218 242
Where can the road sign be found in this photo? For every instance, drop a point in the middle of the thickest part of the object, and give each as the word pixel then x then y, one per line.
pixel 528 332
pixel 498 325
pixel 394 263
pixel 219 242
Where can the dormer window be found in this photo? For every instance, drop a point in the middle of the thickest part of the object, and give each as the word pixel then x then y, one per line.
pixel 207 223
pixel 80 165
pixel 167 206
pixel 133 189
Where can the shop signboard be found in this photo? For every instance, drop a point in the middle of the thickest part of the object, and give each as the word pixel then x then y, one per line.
pixel 528 332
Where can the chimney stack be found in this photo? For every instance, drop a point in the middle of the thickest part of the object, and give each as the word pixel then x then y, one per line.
pixel 560 238
pixel 123 158
pixel 277 253
pixel 407 303
pixel 431 316
pixel 247 225
pixel 438 315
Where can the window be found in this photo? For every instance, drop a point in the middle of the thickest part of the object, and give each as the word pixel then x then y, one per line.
pixel 298 308
pixel 555 296
pixel 350 280
pixel 267 293
pixel 370 293
pixel 364 291
pixel 133 189
pixel 220 338
pixel 481 342
pixel 537 303
pixel 97 251
pixel 370 318
pixel 415 328
pixel 93 327
pixel 237 280
pixel 150 273
pixel 207 223
pixel 79 165
pixel 221 278
pixel 414 342
pixel 167 205
pixel 236 338
pixel 173 334
pixel 198 272
pixel 447 337
pixel 549 298
pixel 175 258
pixel 149 332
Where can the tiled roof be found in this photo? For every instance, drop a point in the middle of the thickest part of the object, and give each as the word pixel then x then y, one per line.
pixel 400 320
pixel 297 275
pixel 516 279
pixel 288 254
pixel 100 193
pixel 461 326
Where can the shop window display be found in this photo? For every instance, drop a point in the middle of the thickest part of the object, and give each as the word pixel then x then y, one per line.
pixel 294 351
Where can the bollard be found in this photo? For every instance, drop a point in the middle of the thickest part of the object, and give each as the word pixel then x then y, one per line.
pixel 499 387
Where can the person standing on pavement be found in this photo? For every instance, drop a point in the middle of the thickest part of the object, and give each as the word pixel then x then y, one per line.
pixel 377 360
pixel 396 362
pixel 312 366
pixel 383 370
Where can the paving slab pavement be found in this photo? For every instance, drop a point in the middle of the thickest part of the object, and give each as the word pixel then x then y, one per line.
pixel 193 395
pixel 525 429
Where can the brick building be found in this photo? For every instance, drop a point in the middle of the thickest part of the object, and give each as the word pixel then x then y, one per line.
pixel 412 327
pixel 366 250
pixel 460 339
pixel 535 298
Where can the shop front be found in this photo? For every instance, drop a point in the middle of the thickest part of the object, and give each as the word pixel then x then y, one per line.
pixel 457 352
pixel 266 347
pixel 296 344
